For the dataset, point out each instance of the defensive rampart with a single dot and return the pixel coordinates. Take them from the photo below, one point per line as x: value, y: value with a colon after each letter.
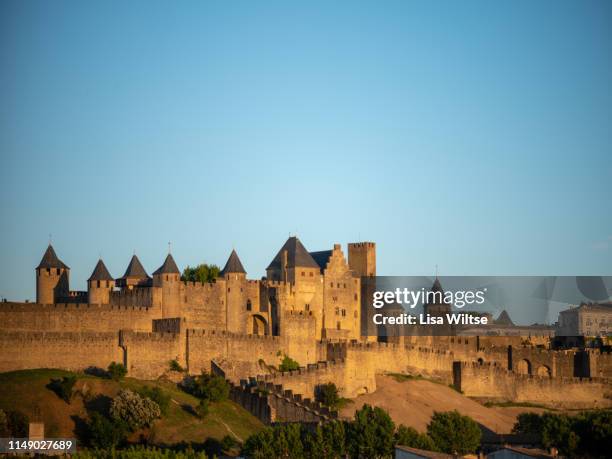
x: 490, y: 381
x: 75, y: 317
x: 70, y: 351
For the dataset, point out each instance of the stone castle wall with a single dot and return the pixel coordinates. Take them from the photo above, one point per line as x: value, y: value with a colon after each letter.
x: 75, y: 317
x: 494, y: 382
x: 66, y: 350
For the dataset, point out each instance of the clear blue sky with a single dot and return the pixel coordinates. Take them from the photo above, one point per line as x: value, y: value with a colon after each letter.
x: 474, y: 135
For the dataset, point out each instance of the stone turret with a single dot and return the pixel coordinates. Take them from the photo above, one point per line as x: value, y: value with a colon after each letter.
x: 235, y: 292
x: 52, y: 278
x: 135, y: 275
x: 100, y: 284
x: 168, y: 278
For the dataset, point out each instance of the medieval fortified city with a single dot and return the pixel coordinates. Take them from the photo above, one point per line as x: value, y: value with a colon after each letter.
x: 390, y: 229
x: 311, y: 308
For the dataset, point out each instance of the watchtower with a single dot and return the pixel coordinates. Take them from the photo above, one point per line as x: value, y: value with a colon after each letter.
x: 52, y: 278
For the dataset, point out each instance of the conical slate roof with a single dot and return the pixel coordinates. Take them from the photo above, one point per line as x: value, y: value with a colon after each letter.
x: 504, y: 319
x: 100, y: 273
x: 437, y: 286
x: 169, y: 266
x: 233, y: 265
x: 135, y: 270
x: 50, y: 260
x: 297, y: 256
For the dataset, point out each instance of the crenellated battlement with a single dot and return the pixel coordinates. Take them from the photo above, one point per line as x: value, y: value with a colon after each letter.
x: 196, y: 332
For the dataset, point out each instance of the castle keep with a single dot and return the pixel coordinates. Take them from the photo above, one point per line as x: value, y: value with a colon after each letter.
x: 310, y: 306
x: 323, y: 285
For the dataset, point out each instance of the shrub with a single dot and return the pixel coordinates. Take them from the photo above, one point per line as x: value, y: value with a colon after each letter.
x: 202, y: 408
x: 4, y: 428
x: 116, y: 371
x: 134, y: 410
x: 327, y: 394
x: 228, y: 442
x: 175, y: 366
x: 63, y: 387
x: 18, y: 423
x: 454, y: 433
x: 158, y: 395
x: 104, y: 433
x: 288, y: 364
x: 210, y: 387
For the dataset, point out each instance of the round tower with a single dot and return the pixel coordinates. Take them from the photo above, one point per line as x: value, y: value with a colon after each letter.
x: 168, y: 278
x: 100, y: 285
x: 51, y: 278
x: 237, y: 306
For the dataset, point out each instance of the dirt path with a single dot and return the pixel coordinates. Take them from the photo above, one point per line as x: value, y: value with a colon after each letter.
x: 412, y: 403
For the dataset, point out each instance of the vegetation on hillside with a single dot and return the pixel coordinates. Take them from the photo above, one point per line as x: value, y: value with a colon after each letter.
x: 174, y: 423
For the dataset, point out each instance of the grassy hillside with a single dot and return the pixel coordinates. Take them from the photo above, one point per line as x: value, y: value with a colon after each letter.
x: 27, y: 392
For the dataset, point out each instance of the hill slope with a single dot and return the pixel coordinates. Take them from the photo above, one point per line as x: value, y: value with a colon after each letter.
x: 26, y: 391
x: 413, y: 401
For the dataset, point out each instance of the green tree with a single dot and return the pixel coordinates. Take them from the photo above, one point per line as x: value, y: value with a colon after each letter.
x: 201, y: 273
x: 594, y: 429
x: 116, y: 371
x: 327, y: 394
x: 407, y: 436
x: 370, y: 435
x: 104, y: 433
x: 260, y: 445
x: 334, y: 437
x: 454, y: 433
x: 210, y: 387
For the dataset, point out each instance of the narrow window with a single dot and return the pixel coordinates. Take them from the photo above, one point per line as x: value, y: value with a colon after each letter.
x: 98, y: 284
x: 311, y: 274
x: 307, y: 307
x: 228, y: 290
x: 57, y: 271
x: 249, y: 306
x: 344, y: 313
x: 338, y: 325
x: 355, y: 297
x: 303, y: 274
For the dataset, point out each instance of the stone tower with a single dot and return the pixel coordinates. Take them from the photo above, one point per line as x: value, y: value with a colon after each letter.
x: 362, y: 258
x: 168, y: 278
x: 234, y: 275
x: 100, y: 285
x: 52, y: 278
